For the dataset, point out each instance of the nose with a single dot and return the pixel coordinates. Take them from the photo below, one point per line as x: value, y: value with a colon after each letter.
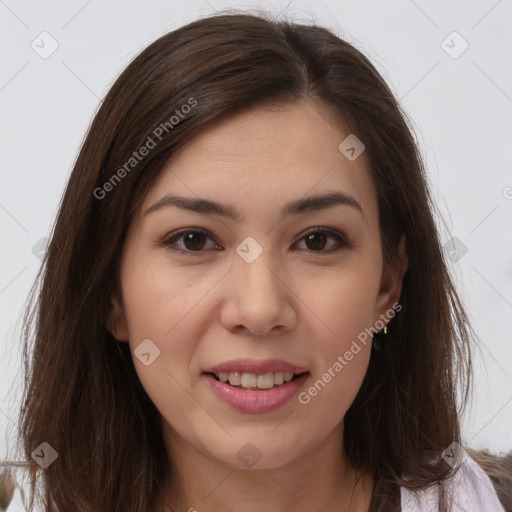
x: 258, y: 299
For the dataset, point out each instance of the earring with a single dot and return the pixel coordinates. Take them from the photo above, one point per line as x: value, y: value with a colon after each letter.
x: 377, y: 343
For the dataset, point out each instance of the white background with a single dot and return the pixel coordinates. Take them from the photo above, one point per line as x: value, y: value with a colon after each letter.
x: 461, y: 108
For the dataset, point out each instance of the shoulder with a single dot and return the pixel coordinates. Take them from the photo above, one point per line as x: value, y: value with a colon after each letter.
x: 468, y: 490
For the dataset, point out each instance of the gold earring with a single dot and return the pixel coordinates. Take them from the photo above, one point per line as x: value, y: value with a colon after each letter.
x: 385, y: 329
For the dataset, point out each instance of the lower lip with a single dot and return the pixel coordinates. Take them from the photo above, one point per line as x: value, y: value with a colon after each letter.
x: 245, y: 400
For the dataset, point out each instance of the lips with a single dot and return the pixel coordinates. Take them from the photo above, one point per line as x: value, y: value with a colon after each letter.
x: 255, y: 366
x: 255, y: 400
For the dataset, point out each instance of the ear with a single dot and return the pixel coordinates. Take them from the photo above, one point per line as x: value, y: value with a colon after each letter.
x: 392, y: 278
x: 117, y: 325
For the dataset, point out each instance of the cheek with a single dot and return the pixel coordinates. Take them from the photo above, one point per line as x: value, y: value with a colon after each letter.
x: 343, y: 307
x: 343, y: 302
x: 162, y: 305
x: 158, y: 298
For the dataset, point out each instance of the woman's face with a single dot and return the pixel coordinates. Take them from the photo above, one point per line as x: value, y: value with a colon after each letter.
x: 249, y: 280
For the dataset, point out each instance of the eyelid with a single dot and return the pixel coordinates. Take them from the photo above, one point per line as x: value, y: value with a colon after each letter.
x: 176, y: 235
x: 335, y: 233
x: 341, y: 238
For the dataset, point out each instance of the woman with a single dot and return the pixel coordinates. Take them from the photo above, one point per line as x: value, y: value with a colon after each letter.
x: 244, y: 303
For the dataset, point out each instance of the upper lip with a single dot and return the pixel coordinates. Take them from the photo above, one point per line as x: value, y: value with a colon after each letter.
x: 257, y: 366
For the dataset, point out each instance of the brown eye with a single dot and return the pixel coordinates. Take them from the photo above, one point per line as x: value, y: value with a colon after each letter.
x: 317, y: 240
x: 189, y: 241
x: 194, y: 241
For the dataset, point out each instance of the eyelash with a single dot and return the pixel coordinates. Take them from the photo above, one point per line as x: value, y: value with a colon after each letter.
x: 170, y: 240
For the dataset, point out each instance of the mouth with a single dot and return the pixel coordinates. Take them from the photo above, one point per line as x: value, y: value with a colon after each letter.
x: 255, y: 382
x: 249, y: 392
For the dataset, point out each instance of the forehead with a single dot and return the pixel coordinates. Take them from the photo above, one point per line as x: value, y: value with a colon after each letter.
x: 264, y: 157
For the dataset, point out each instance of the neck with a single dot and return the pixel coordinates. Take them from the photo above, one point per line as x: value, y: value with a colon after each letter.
x: 320, y: 479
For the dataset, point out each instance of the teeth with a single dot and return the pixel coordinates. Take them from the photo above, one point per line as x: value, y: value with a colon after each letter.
x: 251, y: 380
x: 278, y: 378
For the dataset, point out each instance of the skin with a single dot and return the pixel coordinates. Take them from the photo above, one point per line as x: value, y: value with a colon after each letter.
x: 297, y: 301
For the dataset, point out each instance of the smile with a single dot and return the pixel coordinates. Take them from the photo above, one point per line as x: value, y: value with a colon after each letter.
x: 255, y: 399
x: 253, y: 381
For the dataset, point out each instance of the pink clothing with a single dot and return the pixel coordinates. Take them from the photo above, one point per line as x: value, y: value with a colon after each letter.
x: 469, y: 490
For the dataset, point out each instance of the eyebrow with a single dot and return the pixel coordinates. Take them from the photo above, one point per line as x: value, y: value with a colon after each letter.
x: 304, y: 205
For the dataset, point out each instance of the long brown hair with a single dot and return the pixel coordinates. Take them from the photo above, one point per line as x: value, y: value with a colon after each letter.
x: 82, y: 394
